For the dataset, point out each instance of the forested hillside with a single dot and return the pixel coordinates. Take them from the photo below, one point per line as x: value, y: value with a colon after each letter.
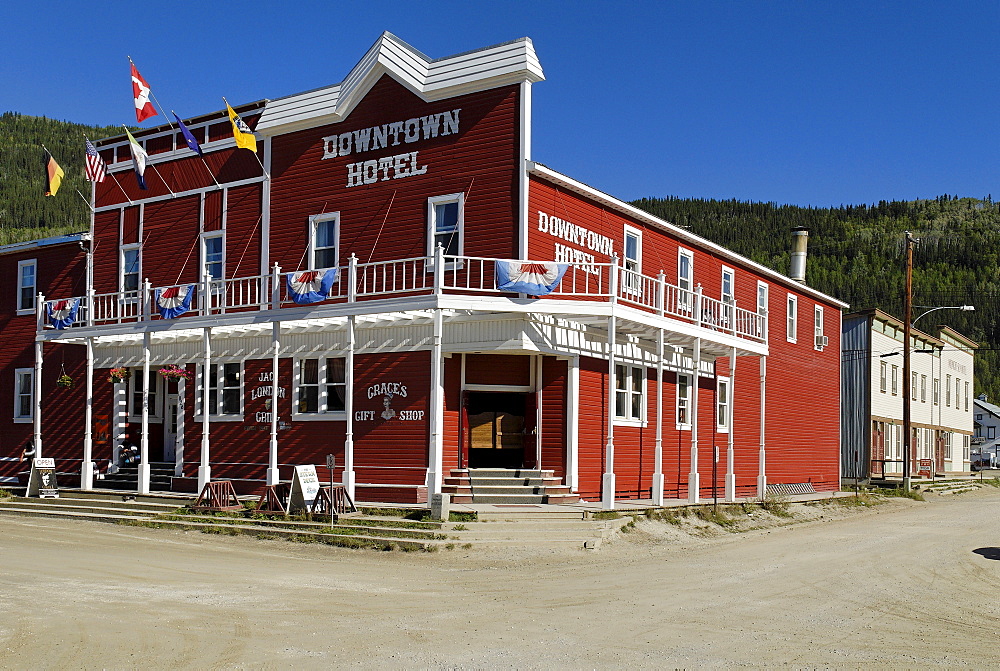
x: 855, y: 252
x: 856, y: 255
x: 24, y: 211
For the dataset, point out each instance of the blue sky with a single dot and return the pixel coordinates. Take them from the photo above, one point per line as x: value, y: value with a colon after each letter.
x: 794, y: 102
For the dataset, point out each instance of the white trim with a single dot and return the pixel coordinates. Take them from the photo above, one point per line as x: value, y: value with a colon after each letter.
x: 550, y: 175
x: 30, y: 373
x: 685, y: 425
x: 30, y: 309
x: 211, y: 235
x: 818, y: 327
x: 725, y: 382
x: 202, y: 391
x: 767, y: 297
x: 524, y: 183
x: 791, y: 317
x: 180, y: 194
x: 432, y: 203
x: 322, y: 399
x: 732, y: 285
x: 689, y: 255
x: 155, y: 415
x: 628, y: 390
x: 513, y: 388
x: 137, y: 248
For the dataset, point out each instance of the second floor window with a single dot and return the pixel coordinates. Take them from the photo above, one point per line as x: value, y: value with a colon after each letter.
x: 211, y: 254
x: 130, y: 267
x: 26, y: 286
x: 445, y: 221
x: 323, y: 230
x: 883, y: 376
x: 792, y: 320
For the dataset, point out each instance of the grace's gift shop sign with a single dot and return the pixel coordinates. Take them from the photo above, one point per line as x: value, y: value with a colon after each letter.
x: 387, y: 393
x: 386, y: 136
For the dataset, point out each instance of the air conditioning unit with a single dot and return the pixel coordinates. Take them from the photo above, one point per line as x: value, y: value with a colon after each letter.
x: 822, y: 341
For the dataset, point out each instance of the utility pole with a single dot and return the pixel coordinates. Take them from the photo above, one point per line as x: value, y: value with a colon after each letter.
x: 907, y: 315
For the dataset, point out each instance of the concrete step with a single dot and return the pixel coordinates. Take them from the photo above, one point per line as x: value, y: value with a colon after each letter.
x: 127, y: 507
x: 509, y: 473
x: 478, y: 491
x: 509, y: 498
x: 491, y: 482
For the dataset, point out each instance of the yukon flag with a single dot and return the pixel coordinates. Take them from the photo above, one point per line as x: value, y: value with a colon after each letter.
x: 140, y: 93
x: 241, y: 131
x: 139, y: 159
x: 54, y: 175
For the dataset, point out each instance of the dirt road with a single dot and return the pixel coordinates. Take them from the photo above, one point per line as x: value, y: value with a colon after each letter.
x: 898, y: 586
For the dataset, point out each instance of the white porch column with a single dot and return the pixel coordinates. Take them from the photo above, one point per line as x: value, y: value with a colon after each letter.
x: 608, y: 481
x: 762, y: 461
x: 349, y: 476
x: 730, y: 447
x: 435, y: 456
x: 573, y: 424
x: 204, y: 470
x: 694, y: 479
x: 658, y: 455
x: 144, y: 469
x: 87, y: 466
x: 179, y: 438
x: 273, y: 476
x: 36, y: 411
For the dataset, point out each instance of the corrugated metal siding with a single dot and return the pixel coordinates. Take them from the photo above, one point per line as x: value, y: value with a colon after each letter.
x: 855, y: 390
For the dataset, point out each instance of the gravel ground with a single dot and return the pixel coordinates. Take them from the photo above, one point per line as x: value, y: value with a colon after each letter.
x: 901, y: 584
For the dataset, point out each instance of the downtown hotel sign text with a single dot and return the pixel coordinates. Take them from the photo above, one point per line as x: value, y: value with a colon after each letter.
x: 385, y: 136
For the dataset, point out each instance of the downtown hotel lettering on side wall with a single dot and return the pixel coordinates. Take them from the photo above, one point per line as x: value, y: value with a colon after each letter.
x: 396, y: 133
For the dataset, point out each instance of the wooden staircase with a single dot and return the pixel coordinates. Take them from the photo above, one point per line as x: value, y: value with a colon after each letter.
x: 506, y: 486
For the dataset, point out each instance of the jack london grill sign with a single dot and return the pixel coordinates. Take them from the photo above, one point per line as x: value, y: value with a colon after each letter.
x: 396, y: 133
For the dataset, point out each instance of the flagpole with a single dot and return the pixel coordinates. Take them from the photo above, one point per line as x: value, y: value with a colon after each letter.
x: 156, y: 100
x: 124, y: 193
x: 262, y: 168
x: 150, y: 163
x: 107, y: 171
x: 85, y: 200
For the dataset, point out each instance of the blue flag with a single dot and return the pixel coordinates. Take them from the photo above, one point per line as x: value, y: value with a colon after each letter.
x: 188, y: 137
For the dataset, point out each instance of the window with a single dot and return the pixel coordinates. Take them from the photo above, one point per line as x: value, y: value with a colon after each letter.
x: 958, y: 394
x: 24, y: 394
x: 135, y: 381
x: 685, y: 279
x: 324, y: 230
x: 947, y: 390
x: 899, y: 441
x: 991, y: 432
x: 967, y: 397
x: 883, y: 376
x: 923, y: 388
x: 792, y: 318
x: 966, y: 447
x: 727, y: 296
x: 211, y: 255
x: 947, y: 445
x: 130, y: 265
x: 895, y: 380
x: 633, y: 259
x: 722, y: 405
x: 819, y: 339
x: 320, y: 386
x: 683, y: 401
x: 761, y: 298
x: 937, y: 391
x: 629, y: 392
x: 445, y: 223
x: 913, y: 386
x: 26, y: 286
x: 225, y: 389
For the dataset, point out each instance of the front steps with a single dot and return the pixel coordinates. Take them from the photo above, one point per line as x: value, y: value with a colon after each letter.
x: 506, y: 486
x: 127, y: 477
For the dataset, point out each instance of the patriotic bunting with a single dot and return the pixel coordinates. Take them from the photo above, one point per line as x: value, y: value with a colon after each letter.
x: 311, y: 286
x: 62, y: 313
x: 172, y: 302
x: 140, y: 93
x: 529, y: 277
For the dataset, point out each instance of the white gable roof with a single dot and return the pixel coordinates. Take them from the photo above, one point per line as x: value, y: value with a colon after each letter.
x: 479, y: 70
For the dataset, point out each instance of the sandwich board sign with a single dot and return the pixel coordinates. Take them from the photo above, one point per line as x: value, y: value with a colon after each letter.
x: 305, y: 487
x: 42, y: 481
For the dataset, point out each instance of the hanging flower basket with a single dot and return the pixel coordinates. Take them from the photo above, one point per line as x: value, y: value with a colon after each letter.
x: 65, y: 381
x: 174, y: 372
x: 116, y: 375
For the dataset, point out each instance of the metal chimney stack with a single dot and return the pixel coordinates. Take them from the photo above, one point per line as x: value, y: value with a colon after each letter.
x: 800, y: 243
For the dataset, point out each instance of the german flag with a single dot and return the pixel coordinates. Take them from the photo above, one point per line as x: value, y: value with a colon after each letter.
x: 54, y: 175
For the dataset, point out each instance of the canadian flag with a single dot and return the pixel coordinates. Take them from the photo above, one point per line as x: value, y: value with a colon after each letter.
x: 140, y: 91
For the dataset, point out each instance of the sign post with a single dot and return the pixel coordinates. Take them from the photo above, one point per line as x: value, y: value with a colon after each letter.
x: 331, y: 462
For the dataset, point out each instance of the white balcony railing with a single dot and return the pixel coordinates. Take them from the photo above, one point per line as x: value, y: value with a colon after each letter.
x: 418, y: 276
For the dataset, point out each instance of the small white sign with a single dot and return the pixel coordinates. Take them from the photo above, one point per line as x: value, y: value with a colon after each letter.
x: 305, y: 487
x: 42, y: 480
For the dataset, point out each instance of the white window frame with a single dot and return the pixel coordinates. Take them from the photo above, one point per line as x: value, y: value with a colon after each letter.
x: 729, y: 296
x: 211, y: 235
x: 432, y: 204
x: 884, y: 377
x: 947, y: 391
x: 792, y: 318
x: 28, y: 309
x: 966, y: 396
x: 322, y: 412
x: 314, y: 222
x: 685, y: 281
x: 683, y: 402
x: 913, y: 385
x: 895, y: 380
x: 762, y: 295
x: 723, y: 403
x: 923, y: 388
x: 625, y: 388
x: 937, y: 391
x: 130, y: 294
x: 633, y: 281
x: 817, y: 327
x: 135, y: 389
x: 29, y: 374
x: 200, y: 380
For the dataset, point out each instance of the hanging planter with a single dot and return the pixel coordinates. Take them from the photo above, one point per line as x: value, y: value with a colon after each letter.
x: 116, y: 375
x: 65, y: 381
x: 174, y: 372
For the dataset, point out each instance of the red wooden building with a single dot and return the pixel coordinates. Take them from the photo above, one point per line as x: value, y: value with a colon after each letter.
x: 412, y: 178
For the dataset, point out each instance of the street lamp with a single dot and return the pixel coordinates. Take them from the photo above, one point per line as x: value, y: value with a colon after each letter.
x: 963, y: 308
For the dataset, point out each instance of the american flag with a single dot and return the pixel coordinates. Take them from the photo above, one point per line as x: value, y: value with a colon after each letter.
x: 96, y: 168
